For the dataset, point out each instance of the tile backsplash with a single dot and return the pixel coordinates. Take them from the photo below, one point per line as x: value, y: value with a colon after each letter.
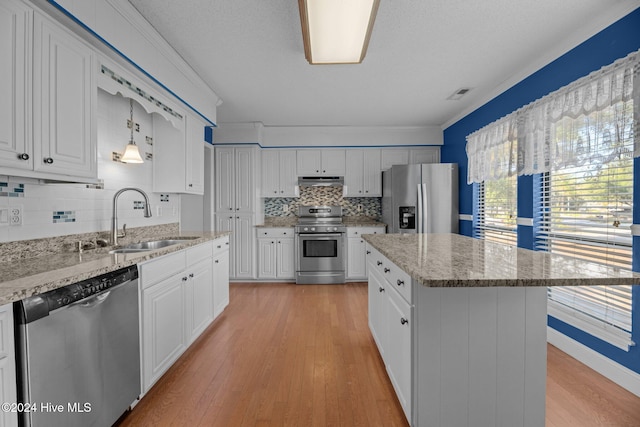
x: 370, y: 206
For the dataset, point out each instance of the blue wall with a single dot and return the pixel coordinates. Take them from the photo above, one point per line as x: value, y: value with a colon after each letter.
x: 615, y: 41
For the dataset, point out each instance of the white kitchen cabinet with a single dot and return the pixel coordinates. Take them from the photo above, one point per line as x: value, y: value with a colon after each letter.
x: 325, y: 162
x: 178, y: 303
x: 363, y: 177
x: 424, y: 155
x: 279, y: 175
x: 393, y: 156
x: 220, y: 275
x: 241, y: 243
x: 178, y: 155
x: 65, y: 102
x: 276, y: 258
x: 8, y: 390
x: 235, y: 179
x: 16, y: 21
x: 391, y: 323
x: 357, y: 251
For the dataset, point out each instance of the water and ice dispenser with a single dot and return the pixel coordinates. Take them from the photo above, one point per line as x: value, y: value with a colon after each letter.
x: 407, y: 217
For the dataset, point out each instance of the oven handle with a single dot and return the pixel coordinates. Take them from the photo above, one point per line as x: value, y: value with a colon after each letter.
x: 320, y: 234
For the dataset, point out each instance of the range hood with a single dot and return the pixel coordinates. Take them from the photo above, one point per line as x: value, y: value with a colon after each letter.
x: 321, y: 181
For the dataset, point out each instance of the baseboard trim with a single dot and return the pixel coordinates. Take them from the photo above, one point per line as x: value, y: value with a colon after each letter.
x: 617, y: 373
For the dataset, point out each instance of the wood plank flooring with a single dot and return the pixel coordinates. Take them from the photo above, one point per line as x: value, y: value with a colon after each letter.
x: 288, y: 355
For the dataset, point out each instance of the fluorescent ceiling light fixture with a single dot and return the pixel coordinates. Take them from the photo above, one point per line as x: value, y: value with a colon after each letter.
x: 336, y: 31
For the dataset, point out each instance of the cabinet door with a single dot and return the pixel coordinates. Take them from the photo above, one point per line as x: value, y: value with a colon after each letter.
x: 227, y: 222
x: 377, y: 311
x: 425, y: 155
x: 309, y: 162
x: 65, y: 101
x: 372, y: 174
x: 244, y: 174
x: 270, y: 173
x: 194, y: 167
x: 15, y: 76
x: 220, y: 282
x: 393, y: 157
x: 244, y: 237
x: 354, y: 174
x: 288, y: 173
x: 356, y: 258
x: 399, y: 339
x: 225, y: 179
x: 285, y: 267
x: 199, y: 295
x: 266, y: 258
x: 333, y: 162
x: 163, y: 327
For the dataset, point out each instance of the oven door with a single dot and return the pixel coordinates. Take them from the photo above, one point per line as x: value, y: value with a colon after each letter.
x: 320, y: 258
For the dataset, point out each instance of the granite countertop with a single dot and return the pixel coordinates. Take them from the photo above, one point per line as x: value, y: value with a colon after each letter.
x: 453, y: 260
x: 24, y: 277
x: 291, y: 221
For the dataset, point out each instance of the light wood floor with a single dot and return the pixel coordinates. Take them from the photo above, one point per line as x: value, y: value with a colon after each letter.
x: 288, y: 355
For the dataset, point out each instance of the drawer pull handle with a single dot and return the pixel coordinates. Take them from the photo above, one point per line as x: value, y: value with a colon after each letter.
x: 379, y: 262
x: 400, y: 282
x: 403, y: 321
x: 191, y: 275
x: 184, y: 279
x: 216, y: 261
x: 380, y: 289
x: 386, y: 270
x: 368, y: 252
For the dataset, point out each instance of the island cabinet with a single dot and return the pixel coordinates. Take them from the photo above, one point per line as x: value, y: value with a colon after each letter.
x: 178, y: 298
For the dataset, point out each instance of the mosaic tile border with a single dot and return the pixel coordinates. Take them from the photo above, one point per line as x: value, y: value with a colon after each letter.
x: 9, y: 189
x: 64, y: 216
x: 351, y: 206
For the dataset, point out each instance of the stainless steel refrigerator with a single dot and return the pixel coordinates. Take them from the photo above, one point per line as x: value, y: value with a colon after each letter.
x: 420, y: 198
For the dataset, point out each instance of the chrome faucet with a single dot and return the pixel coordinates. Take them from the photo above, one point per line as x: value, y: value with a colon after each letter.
x: 114, y: 217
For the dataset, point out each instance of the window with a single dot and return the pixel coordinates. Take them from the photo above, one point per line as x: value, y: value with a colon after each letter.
x: 497, y: 210
x: 585, y: 211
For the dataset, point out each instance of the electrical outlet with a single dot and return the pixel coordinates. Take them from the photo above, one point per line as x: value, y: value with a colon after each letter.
x: 158, y: 211
x: 285, y: 208
x: 15, y: 215
x: 359, y: 208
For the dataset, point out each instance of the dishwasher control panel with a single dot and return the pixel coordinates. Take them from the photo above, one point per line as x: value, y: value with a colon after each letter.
x: 39, y: 306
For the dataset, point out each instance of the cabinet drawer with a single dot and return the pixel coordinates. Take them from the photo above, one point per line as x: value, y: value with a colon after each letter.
x: 162, y: 267
x: 220, y: 245
x: 359, y: 231
x: 397, y: 278
x: 274, y: 232
x: 199, y: 252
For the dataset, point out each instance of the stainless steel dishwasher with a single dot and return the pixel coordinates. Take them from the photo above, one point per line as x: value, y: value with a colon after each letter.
x: 78, y: 352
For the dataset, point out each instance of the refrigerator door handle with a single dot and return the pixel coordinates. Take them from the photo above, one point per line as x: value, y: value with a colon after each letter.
x: 425, y: 209
x: 420, y: 213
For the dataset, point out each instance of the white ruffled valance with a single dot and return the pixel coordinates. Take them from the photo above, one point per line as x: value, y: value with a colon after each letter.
x: 544, y: 133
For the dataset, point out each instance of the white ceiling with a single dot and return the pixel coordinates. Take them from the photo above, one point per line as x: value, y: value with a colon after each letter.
x: 250, y: 52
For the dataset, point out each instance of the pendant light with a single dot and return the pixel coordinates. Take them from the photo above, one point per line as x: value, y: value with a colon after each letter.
x: 336, y: 31
x: 131, y: 152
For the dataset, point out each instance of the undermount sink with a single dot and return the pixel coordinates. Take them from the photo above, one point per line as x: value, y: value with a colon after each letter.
x: 147, y: 246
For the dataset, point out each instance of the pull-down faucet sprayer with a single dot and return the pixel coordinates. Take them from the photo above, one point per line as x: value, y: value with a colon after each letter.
x: 114, y: 217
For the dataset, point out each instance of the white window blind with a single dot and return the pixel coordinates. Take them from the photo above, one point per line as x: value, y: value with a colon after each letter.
x: 497, y: 210
x: 585, y: 211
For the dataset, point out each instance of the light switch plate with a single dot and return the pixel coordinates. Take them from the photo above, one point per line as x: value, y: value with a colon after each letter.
x: 4, y: 216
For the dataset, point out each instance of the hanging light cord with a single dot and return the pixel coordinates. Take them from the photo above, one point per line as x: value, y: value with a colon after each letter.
x: 131, y: 116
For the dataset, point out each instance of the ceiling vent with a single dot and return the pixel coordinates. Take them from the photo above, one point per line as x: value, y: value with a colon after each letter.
x: 455, y: 96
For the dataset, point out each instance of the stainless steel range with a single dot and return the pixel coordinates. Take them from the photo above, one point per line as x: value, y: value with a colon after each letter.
x: 320, y: 245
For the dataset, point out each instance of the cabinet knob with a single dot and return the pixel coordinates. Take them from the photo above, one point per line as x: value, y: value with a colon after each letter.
x: 359, y: 191
x: 272, y: 243
x: 368, y: 252
x: 366, y: 191
x: 275, y: 191
x: 386, y: 270
x: 230, y: 217
x: 324, y: 171
x: 216, y: 261
x: 191, y: 275
x: 282, y: 191
x: 230, y: 209
x: 184, y: 279
x: 218, y: 246
x: 379, y: 262
x: 23, y: 156
x: 403, y: 321
x: 380, y: 289
x: 400, y: 282
x: 48, y: 160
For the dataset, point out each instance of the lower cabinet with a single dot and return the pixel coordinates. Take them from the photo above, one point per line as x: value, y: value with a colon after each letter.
x: 356, y: 251
x: 8, y: 391
x: 391, y: 323
x: 178, y: 297
x: 276, y: 258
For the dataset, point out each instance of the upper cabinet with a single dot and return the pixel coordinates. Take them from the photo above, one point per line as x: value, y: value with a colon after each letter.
x: 362, y: 178
x: 279, y: 175
x: 325, y: 162
x: 393, y: 156
x: 404, y: 156
x: 235, y: 188
x: 178, y: 159
x: 47, y: 118
x: 424, y: 155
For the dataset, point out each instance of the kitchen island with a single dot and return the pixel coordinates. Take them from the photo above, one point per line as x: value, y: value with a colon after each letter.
x: 461, y: 324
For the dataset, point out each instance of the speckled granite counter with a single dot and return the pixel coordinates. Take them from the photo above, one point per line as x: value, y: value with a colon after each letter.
x: 26, y: 276
x: 452, y: 260
x: 362, y: 221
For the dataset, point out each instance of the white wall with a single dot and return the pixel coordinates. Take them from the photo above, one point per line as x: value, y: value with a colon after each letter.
x: 91, y: 207
x: 330, y: 136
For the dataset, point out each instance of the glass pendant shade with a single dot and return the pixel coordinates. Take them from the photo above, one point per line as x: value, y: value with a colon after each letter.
x: 131, y: 154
